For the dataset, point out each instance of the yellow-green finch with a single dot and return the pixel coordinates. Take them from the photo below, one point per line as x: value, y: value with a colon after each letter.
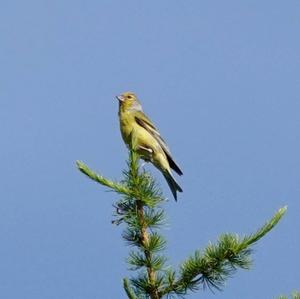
x: 151, y: 147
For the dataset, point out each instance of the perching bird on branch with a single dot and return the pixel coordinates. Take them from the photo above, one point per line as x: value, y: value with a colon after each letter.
x: 135, y: 125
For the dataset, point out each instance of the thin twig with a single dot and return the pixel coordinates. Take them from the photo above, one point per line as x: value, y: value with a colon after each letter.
x: 144, y: 241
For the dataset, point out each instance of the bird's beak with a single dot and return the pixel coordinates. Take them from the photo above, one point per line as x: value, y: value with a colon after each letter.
x: 120, y: 98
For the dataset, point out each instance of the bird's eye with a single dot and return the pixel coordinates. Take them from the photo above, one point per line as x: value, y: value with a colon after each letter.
x: 129, y: 97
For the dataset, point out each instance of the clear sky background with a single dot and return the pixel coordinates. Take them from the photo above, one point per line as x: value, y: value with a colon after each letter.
x: 221, y: 80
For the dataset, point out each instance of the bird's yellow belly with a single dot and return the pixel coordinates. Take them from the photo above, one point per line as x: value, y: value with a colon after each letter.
x: 126, y: 127
x: 147, y: 146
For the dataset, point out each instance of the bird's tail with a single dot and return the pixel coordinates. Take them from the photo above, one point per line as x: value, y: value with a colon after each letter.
x: 172, y: 184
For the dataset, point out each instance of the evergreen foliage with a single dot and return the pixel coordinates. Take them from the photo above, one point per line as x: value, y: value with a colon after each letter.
x: 295, y: 295
x: 140, y: 210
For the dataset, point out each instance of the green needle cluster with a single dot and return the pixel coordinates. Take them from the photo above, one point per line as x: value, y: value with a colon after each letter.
x: 140, y: 210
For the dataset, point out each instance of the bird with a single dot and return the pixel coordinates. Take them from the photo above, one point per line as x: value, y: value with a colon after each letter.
x: 151, y: 147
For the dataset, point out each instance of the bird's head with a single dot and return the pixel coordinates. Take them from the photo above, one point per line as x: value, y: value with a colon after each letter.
x: 128, y: 101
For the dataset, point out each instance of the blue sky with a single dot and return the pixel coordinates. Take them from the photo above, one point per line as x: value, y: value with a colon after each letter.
x: 221, y: 80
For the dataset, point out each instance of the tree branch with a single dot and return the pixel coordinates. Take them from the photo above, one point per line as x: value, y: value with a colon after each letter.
x: 144, y: 244
x: 117, y: 187
x: 139, y: 209
x: 128, y: 289
x: 219, y: 261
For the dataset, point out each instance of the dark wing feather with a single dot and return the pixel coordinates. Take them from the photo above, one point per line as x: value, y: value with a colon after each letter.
x: 145, y: 122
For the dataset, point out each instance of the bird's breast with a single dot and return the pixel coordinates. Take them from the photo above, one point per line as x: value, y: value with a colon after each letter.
x: 126, y: 126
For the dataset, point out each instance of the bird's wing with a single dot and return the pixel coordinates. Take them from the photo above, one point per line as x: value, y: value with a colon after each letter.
x: 146, y: 123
